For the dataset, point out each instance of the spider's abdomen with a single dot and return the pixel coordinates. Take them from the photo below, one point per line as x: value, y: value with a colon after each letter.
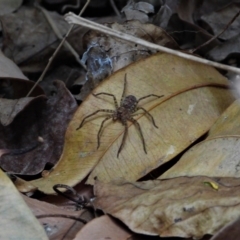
x: 129, y: 103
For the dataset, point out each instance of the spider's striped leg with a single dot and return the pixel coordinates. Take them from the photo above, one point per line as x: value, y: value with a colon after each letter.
x: 140, y: 130
x: 150, y: 95
x: 149, y: 114
x: 124, y: 89
x: 100, y: 129
x: 108, y: 94
x: 124, y: 137
x: 100, y: 110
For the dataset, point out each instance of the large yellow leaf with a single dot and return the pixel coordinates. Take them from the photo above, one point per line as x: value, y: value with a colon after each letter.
x: 218, y: 155
x: 194, y: 97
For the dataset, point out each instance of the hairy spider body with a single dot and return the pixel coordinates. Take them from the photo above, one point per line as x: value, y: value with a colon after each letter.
x: 127, y: 108
x: 123, y: 113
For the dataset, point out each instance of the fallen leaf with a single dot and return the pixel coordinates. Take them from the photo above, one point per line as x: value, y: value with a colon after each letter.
x: 144, y: 7
x: 218, y: 21
x: 103, y: 228
x: 15, y: 88
x: 230, y: 231
x: 64, y: 73
x: 194, y: 97
x: 165, y: 12
x: 218, y: 154
x: 180, y: 207
x: 30, y: 22
x: 47, y: 119
x: 11, y: 108
x: 13, y: 82
x: 223, y: 50
x: 9, y: 69
x: 190, y: 36
x: 16, y: 217
x: 138, y: 11
x: 186, y: 9
x: 57, y: 227
x: 7, y: 6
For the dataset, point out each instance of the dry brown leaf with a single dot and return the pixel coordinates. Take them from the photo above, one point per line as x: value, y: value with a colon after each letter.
x: 47, y: 119
x: 218, y: 155
x: 9, y: 69
x: 230, y: 231
x: 57, y: 227
x: 223, y: 50
x: 165, y: 12
x: 181, y: 207
x: 102, y: 228
x: 7, y: 6
x: 17, y: 221
x: 194, y: 97
x: 15, y: 88
x: 9, y: 109
x: 30, y: 22
x: 190, y: 36
x: 138, y: 11
x: 218, y: 21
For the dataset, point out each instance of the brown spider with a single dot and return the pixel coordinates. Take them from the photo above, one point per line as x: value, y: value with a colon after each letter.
x: 128, y: 106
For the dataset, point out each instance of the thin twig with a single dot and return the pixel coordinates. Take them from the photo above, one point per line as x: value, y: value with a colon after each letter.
x: 216, y: 36
x: 71, y: 6
x: 60, y: 37
x: 62, y: 216
x: 72, y: 18
x: 56, y: 51
x: 115, y: 9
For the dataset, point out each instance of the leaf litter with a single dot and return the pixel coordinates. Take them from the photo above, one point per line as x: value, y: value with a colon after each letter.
x: 45, y: 118
x: 194, y: 98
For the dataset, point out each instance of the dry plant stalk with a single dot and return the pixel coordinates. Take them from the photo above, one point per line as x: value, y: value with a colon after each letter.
x: 71, y: 18
x: 216, y: 36
x: 56, y: 51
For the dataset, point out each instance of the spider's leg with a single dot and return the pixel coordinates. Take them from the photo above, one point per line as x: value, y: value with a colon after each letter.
x: 140, y: 130
x: 100, y: 110
x: 100, y: 129
x: 108, y: 94
x: 150, y: 95
x: 149, y: 114
x: 124, y: 89
x: 124, y: 137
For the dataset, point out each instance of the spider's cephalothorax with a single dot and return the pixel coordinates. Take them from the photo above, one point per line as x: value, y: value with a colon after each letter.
x: 126, y: 109
x: 123, y: 113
